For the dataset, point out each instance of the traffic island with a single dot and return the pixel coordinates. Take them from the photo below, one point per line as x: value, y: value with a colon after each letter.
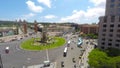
x: 31, y: 44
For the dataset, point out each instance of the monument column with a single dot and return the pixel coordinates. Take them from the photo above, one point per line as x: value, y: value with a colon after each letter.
x: 24, y: 27
x: 35, y: 26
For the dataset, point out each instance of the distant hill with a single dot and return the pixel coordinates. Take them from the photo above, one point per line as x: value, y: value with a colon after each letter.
x: 3, y: 22
x: 7, y: 23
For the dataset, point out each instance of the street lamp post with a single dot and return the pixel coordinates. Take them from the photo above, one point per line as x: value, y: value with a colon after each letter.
x: 47, y: 55
x: 47, y: 62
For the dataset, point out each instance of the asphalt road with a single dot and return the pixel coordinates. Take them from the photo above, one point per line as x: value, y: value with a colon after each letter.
x: 71, y: 53
x: 18, y: 58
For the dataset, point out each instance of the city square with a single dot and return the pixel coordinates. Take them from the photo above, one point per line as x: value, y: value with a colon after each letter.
x: 60, y: 34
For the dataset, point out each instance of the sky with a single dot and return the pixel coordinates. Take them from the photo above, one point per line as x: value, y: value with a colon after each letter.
x: 78, y: 11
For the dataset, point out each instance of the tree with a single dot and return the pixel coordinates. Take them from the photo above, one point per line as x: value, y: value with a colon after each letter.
x: 112, y: 52
x: 97, y: 58
x: 118, y: 65
x: 102, y: 59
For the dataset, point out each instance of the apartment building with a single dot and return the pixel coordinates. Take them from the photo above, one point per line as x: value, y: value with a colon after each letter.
x: 109, y: 26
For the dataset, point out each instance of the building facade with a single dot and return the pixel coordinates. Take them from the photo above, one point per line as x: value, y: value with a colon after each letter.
x: 7, y: 31
x: 59, y: 29
x: 109, y: 26
x: 89, y: 29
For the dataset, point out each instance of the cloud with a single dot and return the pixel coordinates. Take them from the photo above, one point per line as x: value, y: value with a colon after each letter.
x: 100, y: 3
x: 29, y: 15
x: 74, y: 11
x: 50, y: 16
x: 26, y: 16
x: 31, y: 5
x: 45, y: 2
x: 74, y: 17
x: 91, y: 13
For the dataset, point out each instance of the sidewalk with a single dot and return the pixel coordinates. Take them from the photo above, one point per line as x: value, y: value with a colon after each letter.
x: 83, y: 62
x: 12, y: 37
x: 52, y: 65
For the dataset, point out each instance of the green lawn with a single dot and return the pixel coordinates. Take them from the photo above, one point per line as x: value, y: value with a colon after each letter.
x: 29, y: 44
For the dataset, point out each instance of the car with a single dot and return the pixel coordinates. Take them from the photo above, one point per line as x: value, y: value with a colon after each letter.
x: 46, y: 63
x: 80, y: 57
x: 73, y: 59
x: 7, y: 49
x: 68, y: 45
x: 62, y: 63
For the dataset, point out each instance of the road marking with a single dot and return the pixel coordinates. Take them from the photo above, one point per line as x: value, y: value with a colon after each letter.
x: 55, y: 66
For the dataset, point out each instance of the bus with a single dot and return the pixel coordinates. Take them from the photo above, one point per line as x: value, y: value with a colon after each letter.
x: 80, y: 42
x: 65, y: 52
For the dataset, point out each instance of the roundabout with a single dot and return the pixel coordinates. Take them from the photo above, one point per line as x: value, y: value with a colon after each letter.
x: 34, y: 44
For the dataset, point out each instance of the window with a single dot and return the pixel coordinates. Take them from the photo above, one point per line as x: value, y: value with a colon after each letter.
x: 103, y: 43
x: 118, y: 35
x: 103, y: 39
x: 118, y: 40
x: 103, y: 34
x: 104, y: 25
x: 118, y: 30
x: 119, y: 18
x: 118, y: 25
x: 110, y: 40
x: 111, y: 30
x: 109, y: 44
x: 117, y: 45
x: 102, y: 47
x: 112, y: 25
x: 112, y: 18
x: 110, y: 35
